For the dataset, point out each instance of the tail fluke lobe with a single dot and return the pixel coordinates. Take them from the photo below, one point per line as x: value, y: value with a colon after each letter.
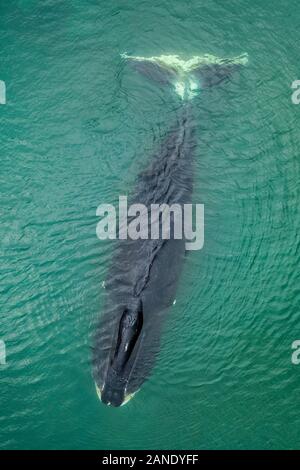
x: 212, y: 75
x: 187, y: 76
x: 154, y: 71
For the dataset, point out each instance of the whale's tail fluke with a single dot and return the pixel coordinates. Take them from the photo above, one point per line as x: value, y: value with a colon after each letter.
x: 187, y: 76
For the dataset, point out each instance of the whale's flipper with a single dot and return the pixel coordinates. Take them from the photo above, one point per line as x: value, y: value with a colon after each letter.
x: 187, y: 76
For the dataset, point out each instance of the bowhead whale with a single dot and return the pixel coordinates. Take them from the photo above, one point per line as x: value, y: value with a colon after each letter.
x: 142, y: 280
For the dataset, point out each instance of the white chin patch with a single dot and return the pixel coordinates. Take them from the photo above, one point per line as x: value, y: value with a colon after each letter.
x: 126, y: 399
x: 98, y: 391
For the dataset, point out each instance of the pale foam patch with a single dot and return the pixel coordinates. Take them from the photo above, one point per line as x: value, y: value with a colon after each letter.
x: 180, y: 88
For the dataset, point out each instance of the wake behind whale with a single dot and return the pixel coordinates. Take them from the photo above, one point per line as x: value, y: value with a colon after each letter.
x: 141, y: 283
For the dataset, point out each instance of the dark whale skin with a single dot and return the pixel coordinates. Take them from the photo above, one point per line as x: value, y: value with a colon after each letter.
x: 143, y: 276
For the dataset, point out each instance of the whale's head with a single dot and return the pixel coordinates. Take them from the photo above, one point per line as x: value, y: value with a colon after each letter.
x: 113, y: 389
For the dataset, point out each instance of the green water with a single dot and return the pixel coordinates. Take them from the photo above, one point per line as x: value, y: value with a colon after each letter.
x: 76, y: 129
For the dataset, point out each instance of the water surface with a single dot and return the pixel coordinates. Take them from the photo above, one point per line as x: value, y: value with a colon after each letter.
x: 77, y: 128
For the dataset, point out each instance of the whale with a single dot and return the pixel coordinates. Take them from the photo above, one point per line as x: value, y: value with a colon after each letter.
x: 143, y: 276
